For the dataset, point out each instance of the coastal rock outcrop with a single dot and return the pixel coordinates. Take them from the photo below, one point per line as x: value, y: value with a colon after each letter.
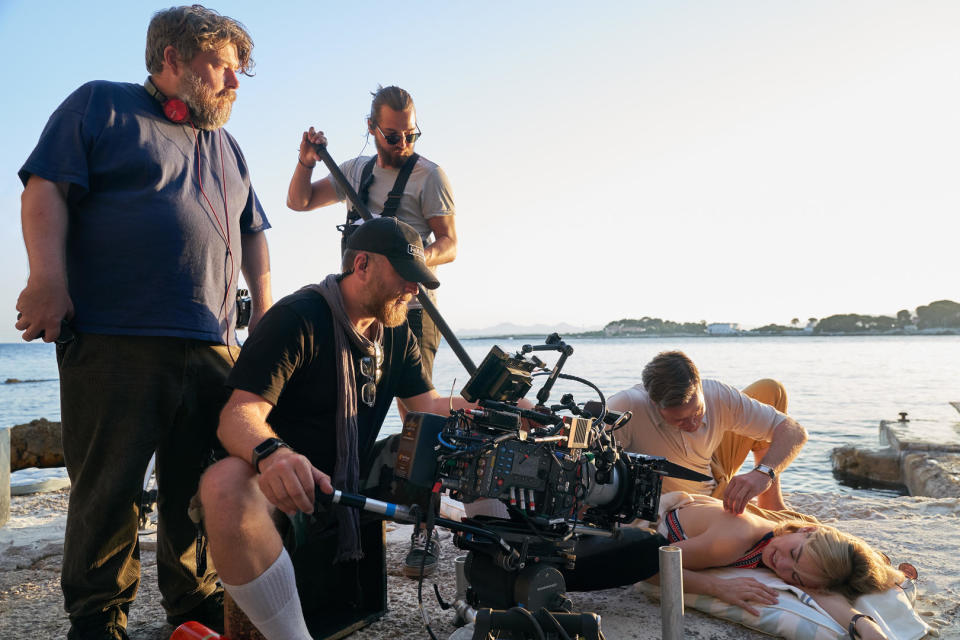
x: 37, y: 443
x: 935, y: 475
x: 921, y: 458
x: 878, y: 468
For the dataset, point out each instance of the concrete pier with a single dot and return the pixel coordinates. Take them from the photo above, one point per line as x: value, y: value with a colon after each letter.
x: 918, y: 457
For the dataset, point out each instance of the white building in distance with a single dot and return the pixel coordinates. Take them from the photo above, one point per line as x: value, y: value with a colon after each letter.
x: 723, y: 328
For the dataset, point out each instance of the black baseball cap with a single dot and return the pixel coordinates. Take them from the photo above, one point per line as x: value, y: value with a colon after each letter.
x: 399, y: 243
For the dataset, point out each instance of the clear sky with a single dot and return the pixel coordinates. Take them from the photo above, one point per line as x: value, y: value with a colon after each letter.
x: 745, y: 162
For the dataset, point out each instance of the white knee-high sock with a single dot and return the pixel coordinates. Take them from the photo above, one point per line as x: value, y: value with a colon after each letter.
x: 271, y: 602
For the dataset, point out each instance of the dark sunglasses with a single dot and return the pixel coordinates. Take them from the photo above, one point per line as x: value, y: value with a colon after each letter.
x: 394, y: 138
x: 370, y: 369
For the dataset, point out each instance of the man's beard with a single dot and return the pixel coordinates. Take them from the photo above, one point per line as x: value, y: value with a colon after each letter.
x: 210, y: 111
x: 392, y: 156
x: 383, y: 305
x: 391, y: 314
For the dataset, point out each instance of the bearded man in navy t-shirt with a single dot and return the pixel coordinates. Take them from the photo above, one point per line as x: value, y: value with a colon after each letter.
x: 138, y: 217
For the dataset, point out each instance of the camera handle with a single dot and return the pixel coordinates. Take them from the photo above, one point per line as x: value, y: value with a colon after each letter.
x: 422, y: 297
x: 401, y: 513
x: 554, y: 343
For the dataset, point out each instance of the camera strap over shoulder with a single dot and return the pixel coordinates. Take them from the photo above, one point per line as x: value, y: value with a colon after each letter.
x: 392, y: 202
x: 390, y: 205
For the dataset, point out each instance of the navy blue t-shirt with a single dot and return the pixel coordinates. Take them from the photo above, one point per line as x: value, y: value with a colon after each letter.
x: 152, y: 206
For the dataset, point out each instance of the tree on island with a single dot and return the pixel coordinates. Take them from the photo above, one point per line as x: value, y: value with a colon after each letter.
x: 769, y: 329
x: 855, y: 323
x: 942, y: 314
x: 654, y: 326
x: 904, y: 319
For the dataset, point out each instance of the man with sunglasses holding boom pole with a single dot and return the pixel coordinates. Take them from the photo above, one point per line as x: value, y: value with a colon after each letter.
x: 311, y: 388
x: 396, y: 182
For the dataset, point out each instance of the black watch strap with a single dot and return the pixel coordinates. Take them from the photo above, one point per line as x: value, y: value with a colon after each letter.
x: 852, y: 629
x: 264, y: 449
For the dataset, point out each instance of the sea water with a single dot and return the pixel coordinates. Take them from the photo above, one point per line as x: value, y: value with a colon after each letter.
x: 839, y: 388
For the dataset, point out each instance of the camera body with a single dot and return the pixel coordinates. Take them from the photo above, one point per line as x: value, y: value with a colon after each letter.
x: 549, y: 481
x: 548, y: 469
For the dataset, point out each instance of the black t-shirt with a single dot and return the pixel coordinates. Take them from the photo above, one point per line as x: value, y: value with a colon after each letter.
x: 289, y: 361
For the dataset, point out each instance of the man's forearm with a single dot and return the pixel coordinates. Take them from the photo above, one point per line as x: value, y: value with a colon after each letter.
x: 45, y: 302
x: 300, y: 189
x: 45, y: 218
x: 788, y: 439
x: 440, y: 251
x: 243, y: 424
x: 255, y: 266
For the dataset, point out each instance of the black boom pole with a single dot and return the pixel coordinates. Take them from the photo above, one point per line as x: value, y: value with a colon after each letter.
x: 425, y: 301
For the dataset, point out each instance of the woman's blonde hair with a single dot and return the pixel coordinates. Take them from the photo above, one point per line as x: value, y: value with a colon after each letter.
x: 848, y: 564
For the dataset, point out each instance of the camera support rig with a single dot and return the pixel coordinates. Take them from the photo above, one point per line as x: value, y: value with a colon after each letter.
x: 562, y: 478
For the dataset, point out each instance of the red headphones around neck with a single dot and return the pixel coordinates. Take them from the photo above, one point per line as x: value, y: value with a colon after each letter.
x: 174, y: 109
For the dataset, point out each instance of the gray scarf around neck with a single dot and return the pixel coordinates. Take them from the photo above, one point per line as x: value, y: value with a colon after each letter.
x: 346, y: 474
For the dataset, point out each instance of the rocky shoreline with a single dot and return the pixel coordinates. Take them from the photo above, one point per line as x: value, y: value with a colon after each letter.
x: 916, y: 457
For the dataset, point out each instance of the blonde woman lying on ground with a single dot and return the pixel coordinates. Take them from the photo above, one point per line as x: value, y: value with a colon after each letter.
x: 833, y: 567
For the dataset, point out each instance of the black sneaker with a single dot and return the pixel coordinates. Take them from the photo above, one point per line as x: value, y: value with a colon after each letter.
x: 421, y: 560
x: 208, y: 613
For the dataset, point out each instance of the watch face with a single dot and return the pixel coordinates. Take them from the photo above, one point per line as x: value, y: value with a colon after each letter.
x: 762, y: 468
x: 266, y: 446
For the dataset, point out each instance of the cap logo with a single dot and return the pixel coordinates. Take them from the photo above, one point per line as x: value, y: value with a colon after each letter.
x: 416, y: 251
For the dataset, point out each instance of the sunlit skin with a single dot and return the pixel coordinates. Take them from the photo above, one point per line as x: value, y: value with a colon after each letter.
x: 390, y: 121
x: 687, y: 416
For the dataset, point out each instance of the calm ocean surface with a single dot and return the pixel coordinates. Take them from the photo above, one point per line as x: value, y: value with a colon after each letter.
x: 839, y: 387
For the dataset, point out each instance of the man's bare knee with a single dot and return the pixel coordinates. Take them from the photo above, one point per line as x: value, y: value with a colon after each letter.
x: 229, y: 487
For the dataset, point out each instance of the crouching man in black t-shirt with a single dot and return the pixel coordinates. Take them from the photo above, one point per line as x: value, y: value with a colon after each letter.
x: 311, y: 388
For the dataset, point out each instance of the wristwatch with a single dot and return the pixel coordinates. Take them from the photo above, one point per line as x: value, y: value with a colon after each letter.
x: 762, y: 468
x: 264, y: 449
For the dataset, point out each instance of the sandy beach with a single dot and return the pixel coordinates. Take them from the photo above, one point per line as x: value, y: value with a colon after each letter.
x: 923, y: 531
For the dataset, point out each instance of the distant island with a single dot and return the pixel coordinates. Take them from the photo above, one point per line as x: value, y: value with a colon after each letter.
x: 937, y: 318
x: 940, y: 317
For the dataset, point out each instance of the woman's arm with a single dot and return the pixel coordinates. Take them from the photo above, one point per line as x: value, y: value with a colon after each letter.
x: 709, y: 550
x: 842, y: 611
x: 740, y: 592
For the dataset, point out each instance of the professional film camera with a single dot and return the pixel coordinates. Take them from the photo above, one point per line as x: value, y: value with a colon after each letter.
x: 554, y: 473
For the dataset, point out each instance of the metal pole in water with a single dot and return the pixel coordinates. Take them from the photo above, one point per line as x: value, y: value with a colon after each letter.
x: 671, y: 593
